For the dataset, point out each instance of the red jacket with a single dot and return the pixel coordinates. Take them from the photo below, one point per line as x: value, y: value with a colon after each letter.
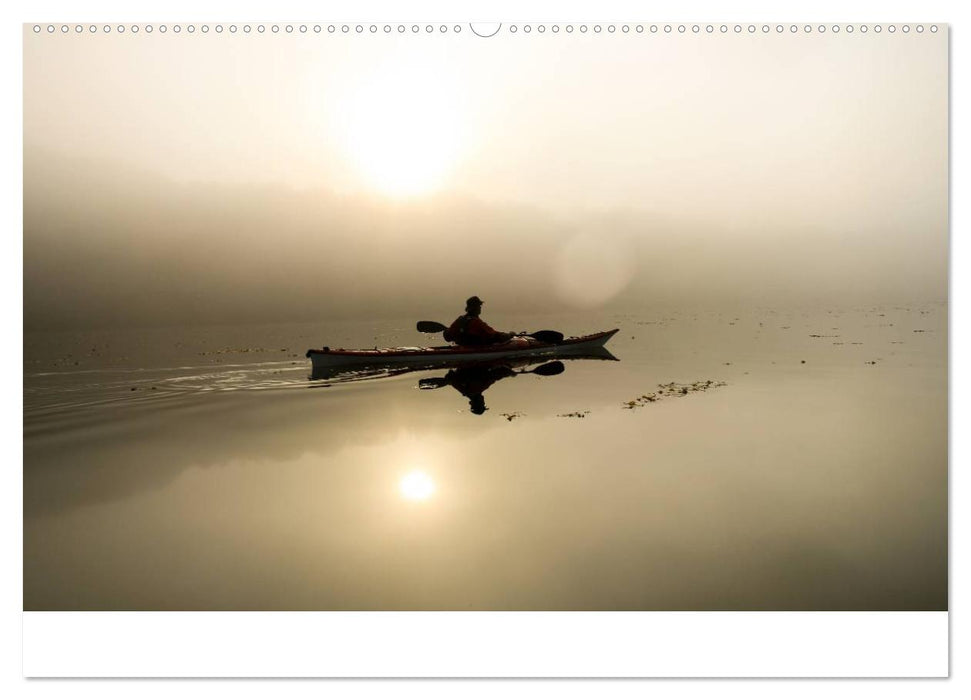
x: 472, y: 330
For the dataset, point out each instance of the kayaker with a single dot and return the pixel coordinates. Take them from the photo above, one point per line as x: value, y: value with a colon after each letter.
x: 469, y: 329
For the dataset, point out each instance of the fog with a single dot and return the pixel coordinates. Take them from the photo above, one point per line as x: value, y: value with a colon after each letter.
x: 171, y: 181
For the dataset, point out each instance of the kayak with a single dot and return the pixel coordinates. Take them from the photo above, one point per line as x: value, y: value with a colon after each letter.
x: 520, y: 346
x: 378, y: 369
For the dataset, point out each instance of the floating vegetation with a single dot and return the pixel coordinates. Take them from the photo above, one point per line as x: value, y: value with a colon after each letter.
x: 671, y: 389
x: 641, y: 401
x: 233, y: 351
x: 675, y: 389
x: 574, y: 414
x: 511, y: 416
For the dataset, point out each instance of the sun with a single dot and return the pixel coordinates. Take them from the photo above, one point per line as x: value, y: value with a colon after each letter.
x: 416, y: 486
x: 399, y: 127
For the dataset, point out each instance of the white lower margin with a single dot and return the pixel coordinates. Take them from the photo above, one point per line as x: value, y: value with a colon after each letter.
x: 484, y: 644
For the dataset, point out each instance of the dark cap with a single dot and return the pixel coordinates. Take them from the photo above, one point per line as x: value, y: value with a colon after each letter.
x: 473, y: 301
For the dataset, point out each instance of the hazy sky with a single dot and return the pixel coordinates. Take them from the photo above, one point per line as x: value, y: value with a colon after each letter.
x: 580, y: 170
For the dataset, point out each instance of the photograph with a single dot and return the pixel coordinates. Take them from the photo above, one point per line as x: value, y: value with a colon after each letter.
x: 485, y: 317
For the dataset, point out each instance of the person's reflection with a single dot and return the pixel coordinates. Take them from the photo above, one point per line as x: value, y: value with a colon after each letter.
x: 472, y: 382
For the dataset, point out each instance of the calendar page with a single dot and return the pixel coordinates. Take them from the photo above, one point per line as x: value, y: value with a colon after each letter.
x: 541, y: 337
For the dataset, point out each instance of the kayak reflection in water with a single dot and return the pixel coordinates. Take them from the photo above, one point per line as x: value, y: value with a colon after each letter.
x: 469, y: 329
x: 472, y: 382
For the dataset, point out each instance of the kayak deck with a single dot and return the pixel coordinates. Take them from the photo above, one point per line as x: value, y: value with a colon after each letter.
x: 520, y: 346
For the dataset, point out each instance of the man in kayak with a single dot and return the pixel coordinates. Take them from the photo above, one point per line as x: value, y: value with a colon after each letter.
x: 469, y: 329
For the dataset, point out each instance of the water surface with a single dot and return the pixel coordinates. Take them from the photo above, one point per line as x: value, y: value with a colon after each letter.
x: 202, y: 468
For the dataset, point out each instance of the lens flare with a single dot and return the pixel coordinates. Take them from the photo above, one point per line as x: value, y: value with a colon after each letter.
x: 592, y: 270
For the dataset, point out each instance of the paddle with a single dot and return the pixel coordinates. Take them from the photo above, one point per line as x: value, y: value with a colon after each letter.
x: 542, y: 336
x: 432, y: 383
x: 547, y: 370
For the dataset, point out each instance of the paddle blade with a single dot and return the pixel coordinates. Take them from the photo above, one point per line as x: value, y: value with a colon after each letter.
x: 431, y: 327
x: 547, y: 336
x: 432, y: 383
x: 549, y: 369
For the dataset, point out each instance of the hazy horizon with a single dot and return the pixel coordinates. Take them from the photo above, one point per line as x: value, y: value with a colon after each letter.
x: 261, y: 179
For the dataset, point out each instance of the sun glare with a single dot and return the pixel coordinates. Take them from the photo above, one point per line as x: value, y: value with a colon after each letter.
x: 417, y: 486
x: 399, y: 128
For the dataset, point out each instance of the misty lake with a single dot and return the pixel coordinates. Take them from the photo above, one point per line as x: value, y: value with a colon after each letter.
x: 758, y: 459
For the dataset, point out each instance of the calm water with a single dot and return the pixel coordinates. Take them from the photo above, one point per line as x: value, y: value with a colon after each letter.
x: 202, y: 469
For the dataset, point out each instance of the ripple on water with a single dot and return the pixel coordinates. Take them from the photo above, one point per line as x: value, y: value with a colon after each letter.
x: 48, y: 393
